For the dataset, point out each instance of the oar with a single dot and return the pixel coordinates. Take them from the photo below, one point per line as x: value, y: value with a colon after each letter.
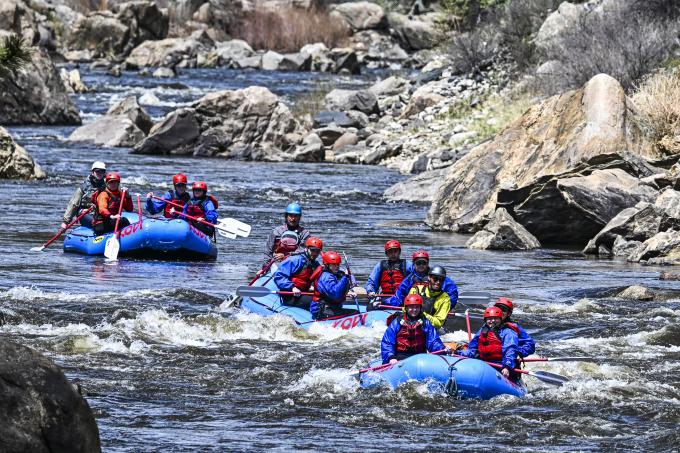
x: 54, y: 238
x: 470, y: 297
x: 229, y: 228
x: 112, y: 246
x: 139, y: 209
x: 450, y: 314
x: 563, y: 359
x: 467, y: 321
x: 386, y: 365
x: 545, y: 376
x: 264, y: 271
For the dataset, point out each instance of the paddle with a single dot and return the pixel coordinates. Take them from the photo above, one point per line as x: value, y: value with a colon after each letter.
x: 386, y: 365
x: 353, y: 283
x: 545, y: 376
x: 563, y: 359
x: 61, y: 231
x: 112, y: 246
x: 229, y: 228
x: 470, y: 297
x: 139, y: 209
x: 467, y: 321
x: 264, y: 271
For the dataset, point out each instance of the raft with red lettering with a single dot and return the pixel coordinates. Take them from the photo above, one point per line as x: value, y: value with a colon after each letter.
x: 272, y: 304
x: 151, y: 239
x: 458, y: 377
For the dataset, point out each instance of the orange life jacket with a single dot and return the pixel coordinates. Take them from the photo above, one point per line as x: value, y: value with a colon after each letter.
x: 308, y: 274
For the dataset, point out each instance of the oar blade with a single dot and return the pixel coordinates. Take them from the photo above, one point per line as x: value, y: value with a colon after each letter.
x: 38, y: 249
x: 549, y: 378
x: 479, y: 299
x: 112, y: 248
x: 253, y: 291
x: 225, y: 233
x: 234, y: 226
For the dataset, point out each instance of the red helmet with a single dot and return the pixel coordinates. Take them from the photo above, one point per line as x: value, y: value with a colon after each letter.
x: 413, y: 299
x: 421, y: 254
x: 392, y: 244
x: 112, y: 176
x: 331, y: 257
x: 314, y: 242
x: 199, y: 185
x: 179, y: 178
x: 493, y: 312
x: 504, y: 302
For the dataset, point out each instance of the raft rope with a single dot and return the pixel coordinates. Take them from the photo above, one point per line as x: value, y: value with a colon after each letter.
x: 451, y: 385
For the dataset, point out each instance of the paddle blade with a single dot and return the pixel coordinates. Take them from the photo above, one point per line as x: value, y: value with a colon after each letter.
x: 253, y: 291
x: 564, y: 359
x: 224, y: 233
x: 480, y: 299
x: 38, y: 249
x: 549, y: 378
x: 234, y: 226
x: 112, y: 248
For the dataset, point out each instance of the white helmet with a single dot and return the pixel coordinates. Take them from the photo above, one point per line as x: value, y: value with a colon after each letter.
x: 98, y: 166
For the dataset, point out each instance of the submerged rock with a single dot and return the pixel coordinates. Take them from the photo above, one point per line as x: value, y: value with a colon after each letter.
x: 637, y: 292
x: 40, y: 410
x: 503, y: 233
x: 15, y: 162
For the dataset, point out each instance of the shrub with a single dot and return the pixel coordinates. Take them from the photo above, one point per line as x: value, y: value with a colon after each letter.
x: 621, y: 42
x: 472, y: 51
x: 288, y: 29
x: 658, y: 102
x: 14, y: 54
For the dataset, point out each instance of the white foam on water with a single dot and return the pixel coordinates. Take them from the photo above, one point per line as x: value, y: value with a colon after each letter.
x: 328, y: 383
x: 135, y: 181
x: 149, y: 98
x: 581, y: 306
x: 31, y: 293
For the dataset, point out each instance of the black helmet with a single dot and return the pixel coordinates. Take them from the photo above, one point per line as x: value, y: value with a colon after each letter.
x: 438, y: 271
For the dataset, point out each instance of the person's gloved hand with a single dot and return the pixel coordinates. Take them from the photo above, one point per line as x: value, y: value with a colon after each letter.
x: 296, y: 292
x: 505, y: 372
x: 376, y: 304
x: 393, y: 361
x: 149, y: 195
x: 372, y: 294
x: 63, y: 225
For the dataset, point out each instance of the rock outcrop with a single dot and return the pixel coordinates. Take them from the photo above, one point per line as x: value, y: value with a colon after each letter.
x: 359, y: 15
x: 171, y: 52
x: 15, y: 162
x: 250, y: 124
x: 124, y: 125
x: 563, y: 135
x: 503, y: 233
x: 40, y: 410
x: 37, y: 95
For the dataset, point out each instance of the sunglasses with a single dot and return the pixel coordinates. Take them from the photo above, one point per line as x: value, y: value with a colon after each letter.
x: 181, y: 184
x: 100, y: 172
x: 420, y: 262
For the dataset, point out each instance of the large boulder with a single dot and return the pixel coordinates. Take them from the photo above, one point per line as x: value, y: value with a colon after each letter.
x: 345, y: 100
x: 112, y: 131
x: 558, y: 22
x: 130, y: 108
x: 414, y: 34
x: 503, y: 233
x: 557, y: 136
x: 36, y: 95
x: 419, y: 188
x: 251, y: 123
x: 360, y: 15
x: 662, y: 248
x: 171, y: 52
x: 15, y: 162
x: 227, y: 53
x: 40, y: 410
x: 35, y: 21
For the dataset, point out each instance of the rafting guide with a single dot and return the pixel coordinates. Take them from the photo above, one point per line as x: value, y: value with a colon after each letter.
x: 292, y: 216
x: 82, y: 197
x: 388, y: 274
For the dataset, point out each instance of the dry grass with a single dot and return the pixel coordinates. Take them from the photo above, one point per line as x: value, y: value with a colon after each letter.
x: 289, y: 29
x: 658, y: 101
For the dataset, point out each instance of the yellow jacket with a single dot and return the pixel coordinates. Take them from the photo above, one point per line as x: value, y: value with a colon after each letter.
x: 436, y: 305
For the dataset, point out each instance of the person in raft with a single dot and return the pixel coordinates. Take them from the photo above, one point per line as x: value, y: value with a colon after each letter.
x: 203, y: 207
x: 409, y: 333
x: 83, y: 196
x: 297, y: 272
x: 331, y: 289
x: 388, y: 274
x: 292, y: 216
x: 495, y: 342
x: 420, y: 276
x: 108, y: 204
x: 525, y: 344
x: 436, y: 302
x: 178, y: 195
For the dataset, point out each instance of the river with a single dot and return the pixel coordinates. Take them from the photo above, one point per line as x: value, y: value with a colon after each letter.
x: 168, y: 367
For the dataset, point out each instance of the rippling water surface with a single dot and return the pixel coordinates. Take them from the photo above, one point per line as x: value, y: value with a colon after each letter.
x: 168, y: 367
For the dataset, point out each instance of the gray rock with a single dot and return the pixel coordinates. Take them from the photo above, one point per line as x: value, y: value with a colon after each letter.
x: 164, y: 73
x: 72, y: 81
x: 637, y: 292
x: 177, y: 130
x: 15, y: 162
x: 185, y: 9
x: 345, y: 100
x: 40, y: 410
x: 390, y: 86
x: 346, y: 139
x: 254, y: 62
x: 311, y: 139
x: 345, y: 61
x: 330, y: 134
x: 349, y: 154
x: 414, y: 34
x: 503, y: 233
x: 229, y: 52
x: 340, y: 119
x: 623, y: 248
x: 360, y: 119
x: 171, y: 52
x: 375, y: 140
x: 271, y: 60
x: 129, y: 108
x: 662, y: 248
x: 36, y: 95
x: 311, y: 152
x: 420, y: 188
x: 112, y: 131
x: 359, y: 15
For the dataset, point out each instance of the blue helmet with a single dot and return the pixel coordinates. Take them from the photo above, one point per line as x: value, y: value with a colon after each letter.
x: 294, y: 208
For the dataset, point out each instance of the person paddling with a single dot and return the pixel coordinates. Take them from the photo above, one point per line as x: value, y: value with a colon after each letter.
x: 436, y: 303
x: 388, y: 274
x: 108, y: 204
x: 409, y: 334
x: 525, y: 344
x: 331, y: 289
x: 292, y: 216
x: 202, y: 206
x: 82, y: 197
x: 177, y: 195
x: 297, y: 272
x: 495, y: 342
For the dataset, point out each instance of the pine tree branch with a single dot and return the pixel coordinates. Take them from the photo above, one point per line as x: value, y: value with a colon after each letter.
x: 14, y: 54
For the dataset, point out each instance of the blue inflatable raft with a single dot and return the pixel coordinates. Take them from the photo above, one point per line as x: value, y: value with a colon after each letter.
x: 150, y: 238
x: 459, y: 377
x: 271, y: 305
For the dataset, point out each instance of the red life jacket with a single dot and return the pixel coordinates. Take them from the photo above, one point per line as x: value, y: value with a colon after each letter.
x: 391, y: 275
x: 182, y: 200
x: 490, y: 345
x: 315, y: 278
x: 411, y: 337
x: 113, y: 205
x: 308, y: 274
x: 512, y: 326
x: 196, y: 208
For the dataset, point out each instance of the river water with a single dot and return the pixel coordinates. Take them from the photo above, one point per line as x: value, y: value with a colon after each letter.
x: 168, y: 367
